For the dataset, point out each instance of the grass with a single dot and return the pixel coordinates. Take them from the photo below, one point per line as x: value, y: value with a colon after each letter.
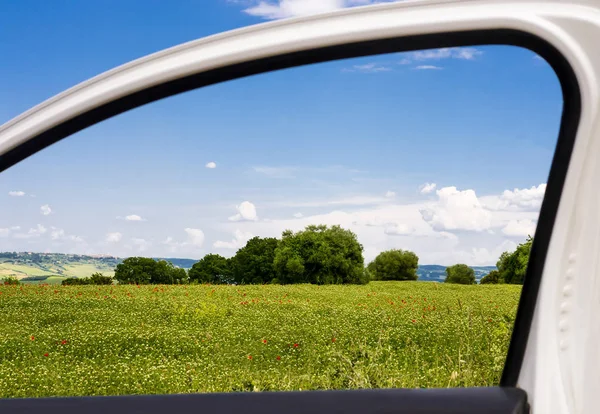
x: 22, y: 270
x: 86, y: 270
x: 109, y: 340
x: 68, y: 270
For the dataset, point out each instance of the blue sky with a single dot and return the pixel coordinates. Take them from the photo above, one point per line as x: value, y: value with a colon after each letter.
x: 358, y: 142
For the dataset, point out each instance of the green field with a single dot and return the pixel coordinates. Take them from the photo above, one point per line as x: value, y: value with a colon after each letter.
x: 20, y: 271
x: 108, y: 340
x: 69, y: 270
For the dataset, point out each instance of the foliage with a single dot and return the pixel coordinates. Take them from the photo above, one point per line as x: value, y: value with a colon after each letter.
x: 212, y: 268
x: 127, y: 339
x: 512, y: 266
x: 491, y: 278
x: 95, y: 279
x: 461, y: 274
x: 320, y: 255
x: 143, y: 271
x: 76, y: 281
x: 395, y: 264
x: 99, y: 279
x: 253, y: 263
x: 10, y: 280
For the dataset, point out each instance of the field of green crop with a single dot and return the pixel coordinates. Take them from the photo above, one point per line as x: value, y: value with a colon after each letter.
x: 108, y: 340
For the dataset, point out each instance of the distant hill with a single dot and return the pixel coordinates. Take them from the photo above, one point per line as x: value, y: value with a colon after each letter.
x: 437, y: 273
x: 54, y: 267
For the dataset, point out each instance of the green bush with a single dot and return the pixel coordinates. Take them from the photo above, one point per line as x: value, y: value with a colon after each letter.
x: 395, y: 264
x: 461, y: 274
x: 10, y: 280
x: 491, y: 278
x: 212, y: 268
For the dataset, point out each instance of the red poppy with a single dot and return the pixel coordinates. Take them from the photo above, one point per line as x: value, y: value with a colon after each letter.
x: 32, y: 338
x: 249, y: 356
x: 46, y: 354
x: 295, y: 345
x: 278, y: 358
x: 332, y: 339
x: 413, y: 321
x: 264, y: 341
x: 63, y: 342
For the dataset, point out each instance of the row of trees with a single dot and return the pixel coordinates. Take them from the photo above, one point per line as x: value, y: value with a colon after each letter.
x: 95, y: 279
x: 318, y: 255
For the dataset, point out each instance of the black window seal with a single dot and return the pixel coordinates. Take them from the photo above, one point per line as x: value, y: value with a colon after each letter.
x: 559, y: 166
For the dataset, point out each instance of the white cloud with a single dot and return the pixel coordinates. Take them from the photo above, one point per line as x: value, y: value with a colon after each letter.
x: 520, y: 228
x: 457, y: 210
x: 428, y: 67
x: 246, y: 211
x: 281, y: 9
x: 211, y: 165
x: 526, y: 197
x: 39, y: 230
x: 16, y: 193
x: 529, y: 199
x: 479, y: 256
x: 132, y: 217
x: 343, y: 201
x: 45, y: 209
x: 465, y: 53
x: 239, y: 240
x: 369, y: 68
x: 4, y: 232
x: 404, y: 61
x: 195, y: 237
x: 427, y: 188
x: 390, y: 194
x: 113, y: 237
x: 56, y: 233
x: 399, y: 230
x: 298, y: 215
x: 141, y: 244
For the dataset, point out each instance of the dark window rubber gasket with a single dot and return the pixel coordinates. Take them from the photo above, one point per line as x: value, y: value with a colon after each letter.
x: 566, y: 138
x: 489, y: 400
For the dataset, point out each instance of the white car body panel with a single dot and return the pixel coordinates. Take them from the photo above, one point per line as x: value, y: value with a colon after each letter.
x: 561, y: 370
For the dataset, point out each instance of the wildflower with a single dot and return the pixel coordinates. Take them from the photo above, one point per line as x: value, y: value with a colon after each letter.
x: 250, y: 357
x: 46, y: 354
x: 278, y: 358
x: 264, y: 341
x: 296, y: 345
x: 332, y: 339
x: 63, y: 342
x: 414, y: 320
x: 32, y: 338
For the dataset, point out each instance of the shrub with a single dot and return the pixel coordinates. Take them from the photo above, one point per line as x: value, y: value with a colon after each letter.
x: 461, y: 274
x: 395, y: 264
x: 10, y: 280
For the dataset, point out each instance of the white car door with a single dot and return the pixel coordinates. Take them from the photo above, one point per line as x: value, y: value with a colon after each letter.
x: 553, y: 360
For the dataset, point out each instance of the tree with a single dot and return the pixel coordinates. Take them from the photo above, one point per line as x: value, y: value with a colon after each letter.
x: 513, y: 266
x: 395, y: 264
x: 253, y: 263
x: 143, y: 270
x: 100, y: 279
x: 460, y: 273
x: 212, y: 268
x: 320, y: 255
x: 491, y: 278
